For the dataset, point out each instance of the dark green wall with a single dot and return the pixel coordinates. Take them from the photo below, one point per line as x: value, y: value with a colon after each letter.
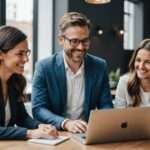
x: 109, y: 16
x: 146, y: 19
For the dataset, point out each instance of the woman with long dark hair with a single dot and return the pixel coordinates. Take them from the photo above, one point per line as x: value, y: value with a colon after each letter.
x: 15, y: 123
x: 134, y: 88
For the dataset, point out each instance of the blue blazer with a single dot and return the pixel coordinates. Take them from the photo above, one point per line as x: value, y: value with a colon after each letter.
x: 49, y: 91
x: 19, y: 117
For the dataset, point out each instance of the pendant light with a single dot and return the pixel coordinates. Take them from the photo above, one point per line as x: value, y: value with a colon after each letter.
x: 97, y: 1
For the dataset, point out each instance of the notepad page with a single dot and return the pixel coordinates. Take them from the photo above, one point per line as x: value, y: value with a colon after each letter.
x: 50, y: 141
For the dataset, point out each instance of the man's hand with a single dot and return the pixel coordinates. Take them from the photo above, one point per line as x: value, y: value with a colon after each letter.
x: 75, y: 126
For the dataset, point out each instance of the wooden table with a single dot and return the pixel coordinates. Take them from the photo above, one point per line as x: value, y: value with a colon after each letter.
x: 72, y: 144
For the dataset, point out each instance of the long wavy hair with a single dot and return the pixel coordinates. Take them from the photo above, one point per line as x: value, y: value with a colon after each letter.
x: 9, y: 38
x: 133, y: 85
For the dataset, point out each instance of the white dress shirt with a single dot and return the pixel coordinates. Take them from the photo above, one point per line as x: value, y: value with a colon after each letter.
x: 75, y: 92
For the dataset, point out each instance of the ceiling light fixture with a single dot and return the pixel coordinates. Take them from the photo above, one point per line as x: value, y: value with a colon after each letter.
x: 97, y: 1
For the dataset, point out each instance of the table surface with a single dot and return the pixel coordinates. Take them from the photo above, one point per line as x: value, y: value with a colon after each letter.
x: 72, y: 144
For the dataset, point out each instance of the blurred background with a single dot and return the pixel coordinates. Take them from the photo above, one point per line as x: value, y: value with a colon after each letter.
x: 117, y: 28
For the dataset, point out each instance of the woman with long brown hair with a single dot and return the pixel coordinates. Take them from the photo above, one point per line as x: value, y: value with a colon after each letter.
x: 134, y: 88
x: 14, y: 54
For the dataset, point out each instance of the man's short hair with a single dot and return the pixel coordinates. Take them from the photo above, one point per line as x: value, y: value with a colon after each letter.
x: 73, y: 19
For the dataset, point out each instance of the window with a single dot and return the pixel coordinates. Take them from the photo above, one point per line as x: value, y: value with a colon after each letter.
x: 19, y: 13
x: 133, y: 24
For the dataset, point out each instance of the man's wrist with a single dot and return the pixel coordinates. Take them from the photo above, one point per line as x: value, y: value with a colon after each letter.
x: 63, y: 123
x: 29, y: 134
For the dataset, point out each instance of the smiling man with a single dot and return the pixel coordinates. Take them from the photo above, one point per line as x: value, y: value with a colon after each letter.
x: 68, y: 85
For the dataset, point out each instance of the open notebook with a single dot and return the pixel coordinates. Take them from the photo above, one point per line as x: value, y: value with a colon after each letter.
x: 50, y: 141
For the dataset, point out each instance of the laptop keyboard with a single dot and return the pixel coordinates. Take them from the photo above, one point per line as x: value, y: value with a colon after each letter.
x: 81, y: 135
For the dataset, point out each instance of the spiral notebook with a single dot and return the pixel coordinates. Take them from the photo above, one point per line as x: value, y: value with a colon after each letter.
x: 50, y: 141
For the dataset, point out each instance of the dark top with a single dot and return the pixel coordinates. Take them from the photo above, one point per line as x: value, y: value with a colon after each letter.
x: 19, y: 117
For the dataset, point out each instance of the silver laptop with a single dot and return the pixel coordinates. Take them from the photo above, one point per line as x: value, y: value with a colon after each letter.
x: 115, y: 125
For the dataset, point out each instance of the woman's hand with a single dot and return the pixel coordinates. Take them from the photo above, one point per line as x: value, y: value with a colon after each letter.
x: 43, y: 131
x: 51, y: 130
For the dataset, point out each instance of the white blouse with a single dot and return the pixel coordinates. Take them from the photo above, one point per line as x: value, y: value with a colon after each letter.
x: 122, y: 98
x: 7, y: 112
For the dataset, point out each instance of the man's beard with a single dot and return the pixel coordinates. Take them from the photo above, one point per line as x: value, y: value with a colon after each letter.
x: 71, y: 52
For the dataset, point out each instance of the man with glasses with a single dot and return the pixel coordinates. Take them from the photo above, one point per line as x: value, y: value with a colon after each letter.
x: 69, y: 84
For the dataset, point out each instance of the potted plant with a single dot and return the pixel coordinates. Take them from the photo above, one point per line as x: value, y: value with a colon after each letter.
x: 114, y: 76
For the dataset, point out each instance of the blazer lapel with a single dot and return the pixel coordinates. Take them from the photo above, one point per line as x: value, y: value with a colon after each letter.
x: 2, y: 107
x: 88, y: 86
x: 12, y: 109
x: 13, y: 106
x: 2, y: 113
x: 61, y: 78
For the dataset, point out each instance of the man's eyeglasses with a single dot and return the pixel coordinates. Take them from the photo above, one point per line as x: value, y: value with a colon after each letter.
x: 24, y: 53
x: 75, y: 42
